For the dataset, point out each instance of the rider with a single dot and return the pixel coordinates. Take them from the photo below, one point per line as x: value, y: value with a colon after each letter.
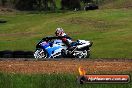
x: 65, y: 39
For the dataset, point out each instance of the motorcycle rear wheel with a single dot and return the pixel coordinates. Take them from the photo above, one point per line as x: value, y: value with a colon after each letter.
x: 82, y: 54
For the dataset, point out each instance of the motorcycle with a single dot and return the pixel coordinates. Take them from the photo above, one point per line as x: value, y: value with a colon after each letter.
x: 53, y: 47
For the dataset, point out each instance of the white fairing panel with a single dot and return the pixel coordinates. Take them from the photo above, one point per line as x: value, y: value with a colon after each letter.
x: 60, y: 43
x: 57, y: 41
x: 83, y: 43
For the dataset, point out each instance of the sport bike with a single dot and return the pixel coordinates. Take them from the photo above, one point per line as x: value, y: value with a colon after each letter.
x: 53, y: 47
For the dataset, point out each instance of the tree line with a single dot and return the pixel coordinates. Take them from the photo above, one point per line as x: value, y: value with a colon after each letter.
x: 45, y: 4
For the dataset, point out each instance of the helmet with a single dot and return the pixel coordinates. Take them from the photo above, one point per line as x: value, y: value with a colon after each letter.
x: 59, y: 32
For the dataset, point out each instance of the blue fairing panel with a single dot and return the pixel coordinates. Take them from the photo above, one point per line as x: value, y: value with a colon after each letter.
x: 51, y: 50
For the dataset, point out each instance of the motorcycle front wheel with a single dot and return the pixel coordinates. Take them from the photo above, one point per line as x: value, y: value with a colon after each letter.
x: 40, y: 53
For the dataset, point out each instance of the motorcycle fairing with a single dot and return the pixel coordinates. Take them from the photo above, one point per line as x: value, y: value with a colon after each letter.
x: 51, y: 50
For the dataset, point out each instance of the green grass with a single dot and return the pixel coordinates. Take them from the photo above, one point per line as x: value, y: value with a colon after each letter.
x: 50, y: 81
x: 110, y: 30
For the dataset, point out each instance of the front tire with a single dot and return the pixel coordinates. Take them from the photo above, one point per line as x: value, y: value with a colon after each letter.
x: 40, y: 53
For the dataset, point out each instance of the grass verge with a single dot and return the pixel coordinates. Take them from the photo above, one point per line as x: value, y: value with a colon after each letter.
x: 49, y: 81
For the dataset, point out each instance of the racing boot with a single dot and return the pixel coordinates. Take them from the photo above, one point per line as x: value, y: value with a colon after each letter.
x: 71, y: 49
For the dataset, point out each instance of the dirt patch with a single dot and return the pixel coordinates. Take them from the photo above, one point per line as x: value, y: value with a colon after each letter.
x: 65, y: 66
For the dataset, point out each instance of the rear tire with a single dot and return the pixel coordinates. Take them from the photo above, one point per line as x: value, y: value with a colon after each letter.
x: 88, y: 54
x: 82, y: 54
